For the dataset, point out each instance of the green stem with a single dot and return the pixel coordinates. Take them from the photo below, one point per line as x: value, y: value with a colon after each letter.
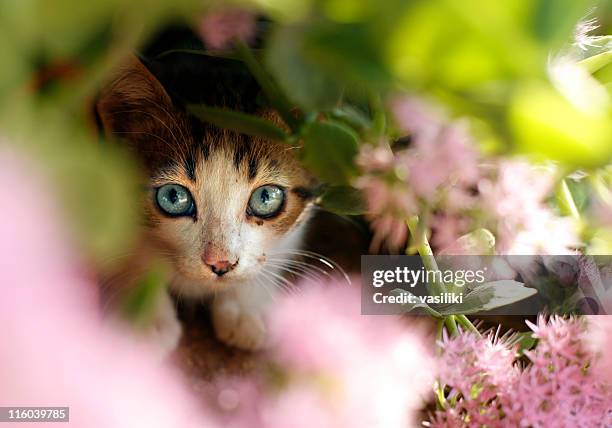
x: 441, y: 403
x: 451, y: 325
x: 419, y: 236
x: 467, y: 324
x: 566, y: 201
x: 439, y: 328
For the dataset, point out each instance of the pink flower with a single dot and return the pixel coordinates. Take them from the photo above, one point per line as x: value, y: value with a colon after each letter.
x: 514, y: 199
x: 444, y: 158
x: 389, y: 205
x: 220, y: 28
x: 415, y: 116
x: 560, y: 388
x: 443, y: 152
x: 600, y: 332
x: 437, y: 171
x: 378, y: 158
x: 480, y: 371
x: 447, y: 228
x: 55, y: 349
x: 342, y: 368
x: 601, y: 213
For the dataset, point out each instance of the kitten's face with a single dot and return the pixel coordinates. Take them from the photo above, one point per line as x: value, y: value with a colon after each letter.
x: 217, y: 203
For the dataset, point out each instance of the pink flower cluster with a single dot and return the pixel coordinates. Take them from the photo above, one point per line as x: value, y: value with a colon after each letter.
x: 336, y: 367
x: 438, y: 168
x: 478, y: 372
x: 515, y: 201
x: 443, y: 179
x: 561, y: 386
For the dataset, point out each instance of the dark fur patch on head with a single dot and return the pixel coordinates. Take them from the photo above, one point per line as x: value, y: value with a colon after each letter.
x: 205, y: 149
x: 189, y: 164
x: 253, y: 165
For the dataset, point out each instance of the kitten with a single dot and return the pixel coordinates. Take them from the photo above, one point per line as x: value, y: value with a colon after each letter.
x: 219, y: 205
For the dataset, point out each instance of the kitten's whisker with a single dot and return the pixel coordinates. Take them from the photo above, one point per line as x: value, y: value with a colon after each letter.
x: 265, y: 287
x: 318, y: 257
x: 288, y: 287
x: 301, y: 272
x: 172, y: 117
x: 176, y: 146
x: 296, y: 263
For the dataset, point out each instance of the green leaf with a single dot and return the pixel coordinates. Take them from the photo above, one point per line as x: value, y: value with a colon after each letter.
x: 239, y: 122
x: 596, y: 62
x: 352, y: 117
x: 300, y: 78
x: 140, y: 303
x: 548, y: 126
x: 489, y: 296
x: 417, y: 306
x: 343, y: 200
x: 329, y: 150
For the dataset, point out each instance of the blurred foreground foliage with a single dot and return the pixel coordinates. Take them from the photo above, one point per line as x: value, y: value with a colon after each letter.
x: 336, y: 61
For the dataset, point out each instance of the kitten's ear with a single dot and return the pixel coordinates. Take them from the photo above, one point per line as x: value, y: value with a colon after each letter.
x: 135, y: 108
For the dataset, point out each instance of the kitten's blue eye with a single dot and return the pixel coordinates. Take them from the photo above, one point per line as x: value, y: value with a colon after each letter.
x: 175, y: 200
x: 266, y: 201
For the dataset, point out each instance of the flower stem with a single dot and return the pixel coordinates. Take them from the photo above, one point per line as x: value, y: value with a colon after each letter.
x: 451, y: 325
x: 467, y: 324
x: 419, y: 235
x: 566, y: 201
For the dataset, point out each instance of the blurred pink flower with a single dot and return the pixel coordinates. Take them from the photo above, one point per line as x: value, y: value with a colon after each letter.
x: 342, y: 369
x: 55, y: 349
x: 445, y: 159
x: 378, y: 158
x: 447, y: 228
x: 599, y: 334
x: 443, y: 153
x: 416, y: 116
x: 389, y: 205
x: 220, y: 28
x: 437, y: 171
x: 601, y: 213
x: 515, y: 200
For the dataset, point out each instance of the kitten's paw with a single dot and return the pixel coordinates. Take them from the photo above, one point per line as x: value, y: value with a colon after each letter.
x: 166, y: 330
x: 238, y: 325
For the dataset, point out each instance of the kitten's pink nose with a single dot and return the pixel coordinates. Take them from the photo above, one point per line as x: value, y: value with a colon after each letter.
x: 218, y: 265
